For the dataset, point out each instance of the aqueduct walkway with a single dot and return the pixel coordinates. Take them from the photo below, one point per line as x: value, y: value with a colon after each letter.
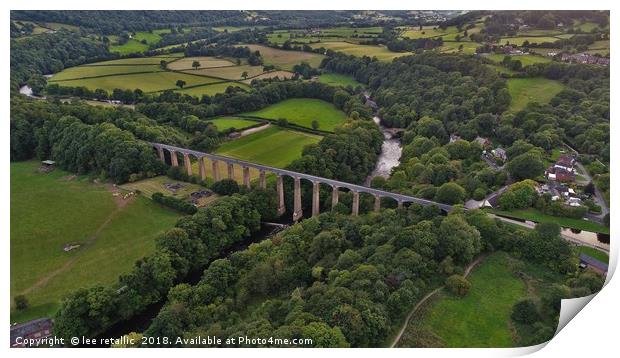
x: 263, y: 169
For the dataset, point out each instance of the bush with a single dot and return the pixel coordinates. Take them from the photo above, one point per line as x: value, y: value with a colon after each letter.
x: 479, y: 194
x: 225, y: 187
x: 174, y: 203
x: 21, y: 302
x: 525, y: 311
x: 458, y: 285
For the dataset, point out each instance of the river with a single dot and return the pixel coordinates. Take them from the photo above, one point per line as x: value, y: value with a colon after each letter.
x: 389, y: 158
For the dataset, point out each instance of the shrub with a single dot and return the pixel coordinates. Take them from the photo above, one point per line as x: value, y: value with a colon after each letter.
x: 174, y: 203
x: 479, y: 194
x: 458, y: 285
x: 21, y: 302
x: 525, y: 311
x: 225, y: 187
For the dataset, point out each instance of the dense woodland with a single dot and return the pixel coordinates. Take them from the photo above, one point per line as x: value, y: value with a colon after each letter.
x: 343, y: 281
x: 339, y: 280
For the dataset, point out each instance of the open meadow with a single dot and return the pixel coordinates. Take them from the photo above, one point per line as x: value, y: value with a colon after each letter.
x: 225, y: 123
x: 336, y: 79
x: 147, y: 74
x: 285, y: 60
x: 302, y: 111
x: 482, y: 317
x: 51, y: 211
x: 273, y: 146
x: 380, y: 52
x: 526, y: 90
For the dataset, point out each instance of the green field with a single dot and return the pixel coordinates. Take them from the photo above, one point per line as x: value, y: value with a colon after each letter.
x: 532, y: 39
x: 525, y: 90
x: 211, y: 89
x: 350, y: 34
x: 532, y: 214
x: 147, y: 82
x: 302, y: 111
x: 428, y: 31
x: 205, y: 62
x: 482, y: 318
x: 285, y: 60
x: 271, y: 74
x: 335, y: 79
x: 94, y: 71
x: 154, y: 60
x: 380, y: 52
x: 135, y: 45
x: 229, y: 72
x: 273, y: 146
x: 526, y: 60
x: 466, y: 47
x: 49, y: 211
x: 224, y: 123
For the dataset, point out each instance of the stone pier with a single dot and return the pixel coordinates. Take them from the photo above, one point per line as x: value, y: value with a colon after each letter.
x: 377, y: 203
x: 280, y: 187
x: 202, y: 169
x: 215, y: 168
x: 316, y: 191
x: 335, y: 195
x: 187, y: 164
x: 231, y: 171
x: 262, y: 180
x: 162, y: 157
x: 174, y: 159
x: 356, y: 203
x: 246, y: 177
x: 297, y: 211
x: 400, y: 204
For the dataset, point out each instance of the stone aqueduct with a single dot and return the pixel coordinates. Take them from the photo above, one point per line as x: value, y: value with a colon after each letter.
x: 280, y: 173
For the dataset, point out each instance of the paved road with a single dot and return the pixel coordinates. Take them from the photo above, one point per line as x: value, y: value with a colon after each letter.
x: 598, y: 196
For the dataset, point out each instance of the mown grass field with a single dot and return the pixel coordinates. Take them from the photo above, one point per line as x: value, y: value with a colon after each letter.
x: 526, y: 90
x: 205, y: 62
x: 531, y: 39
x: 93, y: 71
x: 532, y: 214
x: 350, y: 34
x: 526, y: 60
x: 466, y: 47
x: 380, y: 52
x: 214, y: 76
x: 135, y: 44
x: 273, y: 146
x: 302, y: 111
x: 147, y: 82
x: 211, y: 89
x: 48, y: 212
x: 335, y: 79
x: 224, y: 123
x: 272, y: 74
x: 285, y: 60
x: 482, y: 318
x: 428, y: 31
x: 230, y: 72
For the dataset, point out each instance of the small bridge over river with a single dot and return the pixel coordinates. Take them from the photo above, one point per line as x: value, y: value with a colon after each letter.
x: 280, y: 173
